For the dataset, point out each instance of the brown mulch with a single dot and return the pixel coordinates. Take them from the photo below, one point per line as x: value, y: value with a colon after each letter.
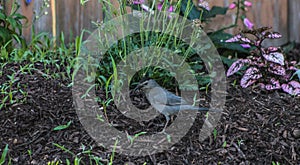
x: 266, y: 124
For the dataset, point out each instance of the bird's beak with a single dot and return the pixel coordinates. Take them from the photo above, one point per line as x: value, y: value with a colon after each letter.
x: 139, y: 86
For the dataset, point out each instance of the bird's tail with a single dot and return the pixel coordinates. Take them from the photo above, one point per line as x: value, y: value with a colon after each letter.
x: 189, y: 107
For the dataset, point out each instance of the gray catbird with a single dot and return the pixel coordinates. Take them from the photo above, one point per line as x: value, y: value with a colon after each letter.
x: 164, y: 101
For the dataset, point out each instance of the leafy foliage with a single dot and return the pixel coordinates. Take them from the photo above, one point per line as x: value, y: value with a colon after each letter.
x: 204, y: 14
x: 266, y: 66
x: 218, y: 38
x: 105, y: 69
x: 11, y: 28
x: 188, y: 9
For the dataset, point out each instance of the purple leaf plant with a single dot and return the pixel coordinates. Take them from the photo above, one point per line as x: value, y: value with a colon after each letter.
x: 266, y: 67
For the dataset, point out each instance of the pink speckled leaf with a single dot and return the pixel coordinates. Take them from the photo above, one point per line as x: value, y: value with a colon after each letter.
x: 292, y: 88
x: 275, y: 82
x: 293, y: 62
x: 272, y: 35
x: 273, y: 49
x: 287, y: 77
x: 250, y: 77
x: 257, y: 61
x: 245, y: 40
x: 277, y: 69
x: 275, y: 57
x: 253, y: 73
x: 262, y: 86
x: 274, y: 85
x: 236, y: 66
x: 293, y: 68
x: 295, y: 84
x: 235, y: 38
x: 245, y: 82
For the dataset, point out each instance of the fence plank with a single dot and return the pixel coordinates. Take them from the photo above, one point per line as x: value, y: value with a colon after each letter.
x: 271, y: 13
x: 223, y: 20
x: 263, y: 13
x: 72, y: 18
x: 7, y: 6
x: 294, y: 20
x: 44, y: 22
x: 27, y: 11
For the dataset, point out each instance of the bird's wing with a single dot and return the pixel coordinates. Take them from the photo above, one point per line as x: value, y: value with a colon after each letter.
x: 174, y: 99
x: 164, y: 97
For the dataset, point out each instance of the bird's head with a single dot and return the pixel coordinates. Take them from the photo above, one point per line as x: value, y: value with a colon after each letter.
x: 146, y: 85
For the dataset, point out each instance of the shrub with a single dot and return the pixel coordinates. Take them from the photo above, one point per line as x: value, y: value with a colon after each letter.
x: 11, y: 28
x: 266, y: 66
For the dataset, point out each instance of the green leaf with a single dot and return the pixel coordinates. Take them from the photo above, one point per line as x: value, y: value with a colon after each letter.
x: 2, y: 16
x: 19, y: 16
x: 196, y: 67
x: 61, y: 127
x: 232, y: 46
x: 12, y: 22
x: 203, y: 80
x: 77, y: 160
x: 216, y: 10
x: 5, y: 35
x: 139, y: 134
x: 136, y: 7
x: 6, y: 38
x: 288, y: 47
x: 68, y: 162
x: 218, y: 36
x: 227, y: 61
x: 224, y: 144
x: 3, y: 156
x: 82, y: 2
x: 188, y: 7
x: 64, y: 149
x: 215, y: 133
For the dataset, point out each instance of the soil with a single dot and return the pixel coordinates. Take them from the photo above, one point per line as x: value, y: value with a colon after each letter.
x: 256, y: 127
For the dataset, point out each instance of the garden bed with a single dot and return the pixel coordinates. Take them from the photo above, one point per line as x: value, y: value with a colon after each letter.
x: 257, y: 127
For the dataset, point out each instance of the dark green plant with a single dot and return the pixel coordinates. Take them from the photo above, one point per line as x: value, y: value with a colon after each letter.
x: 202, y: 14
x: 105, y: 71
x: 11, y: 28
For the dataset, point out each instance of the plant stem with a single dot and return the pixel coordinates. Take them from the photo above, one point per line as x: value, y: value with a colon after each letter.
x: 237, y: 12
x: 235, y: 21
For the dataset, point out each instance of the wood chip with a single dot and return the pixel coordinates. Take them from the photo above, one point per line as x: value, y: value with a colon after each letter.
x: 242, y: 129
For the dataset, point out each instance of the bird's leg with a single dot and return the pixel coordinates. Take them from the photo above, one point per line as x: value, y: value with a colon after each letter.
x: 165, y: 126
x: 167, y: 122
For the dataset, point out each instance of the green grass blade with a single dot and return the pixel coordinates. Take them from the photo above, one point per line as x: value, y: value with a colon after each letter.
x: 4, y: 154
x: 61, y: 127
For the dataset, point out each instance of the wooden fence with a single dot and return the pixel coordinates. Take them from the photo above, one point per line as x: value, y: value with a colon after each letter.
x: 70, y: 17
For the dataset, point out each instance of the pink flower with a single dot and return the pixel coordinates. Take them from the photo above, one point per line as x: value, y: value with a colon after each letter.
x: 171, y: 8
x: 248, y: 23
x: 160, y: 5
x: 204, y: 4
x: 137, y: 2
x: 247, y: 3
x: 232, y: 6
